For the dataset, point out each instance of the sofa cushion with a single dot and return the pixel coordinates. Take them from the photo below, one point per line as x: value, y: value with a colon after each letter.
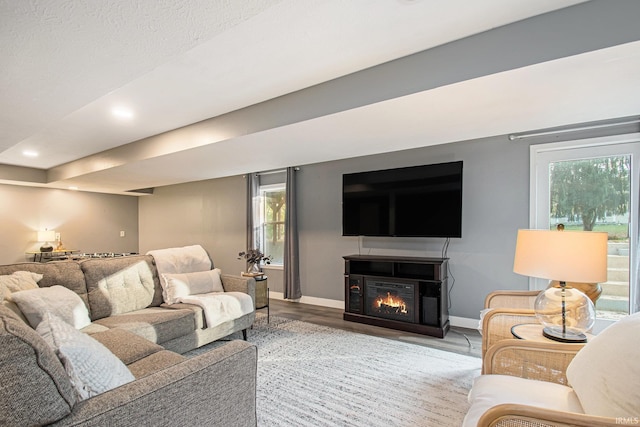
x: 58, y: 300
x: 34, y: 388
x: 180, y: 285
x: 121, y: 285
x: 91, y: 367
x: 492, y: 390
x: 605, y: 372
x: 155, y: 362
x: 198, y: 313
x: 156, y: 324
x: 94, y: 328
x: 126, y: 345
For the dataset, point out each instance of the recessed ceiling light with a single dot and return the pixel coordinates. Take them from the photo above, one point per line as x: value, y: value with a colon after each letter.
x: 122, y: 113
x: 30, y: 153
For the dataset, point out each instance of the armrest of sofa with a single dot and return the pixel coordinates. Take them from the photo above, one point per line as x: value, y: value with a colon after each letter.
x: 530, y: 359
x: 513, y: 414
x: 232, y: 283
x: 214, y: 388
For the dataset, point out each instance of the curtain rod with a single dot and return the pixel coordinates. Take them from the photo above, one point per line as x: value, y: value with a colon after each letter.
x: 523, y: 135
x: 297, y: 168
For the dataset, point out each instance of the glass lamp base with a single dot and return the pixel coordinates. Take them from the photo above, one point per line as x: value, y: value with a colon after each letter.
x: 568, y: 337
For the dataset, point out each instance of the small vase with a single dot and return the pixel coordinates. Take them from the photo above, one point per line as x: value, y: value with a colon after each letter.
x: 253, y: 269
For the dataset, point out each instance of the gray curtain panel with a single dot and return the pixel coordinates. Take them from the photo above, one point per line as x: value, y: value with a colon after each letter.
x: 635, y: 303
x: 253, y: 183
x: 291, y: 265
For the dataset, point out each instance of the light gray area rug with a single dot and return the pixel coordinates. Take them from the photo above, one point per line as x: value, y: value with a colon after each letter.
x: 311, y: 375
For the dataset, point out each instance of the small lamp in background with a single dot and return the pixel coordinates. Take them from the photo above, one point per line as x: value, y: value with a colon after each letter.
x: 563, y: 256
x: 46, y: 236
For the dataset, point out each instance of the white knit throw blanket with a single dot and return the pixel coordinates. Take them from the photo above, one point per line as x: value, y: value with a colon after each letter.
x: 220, y: 307
x: 187, y: 259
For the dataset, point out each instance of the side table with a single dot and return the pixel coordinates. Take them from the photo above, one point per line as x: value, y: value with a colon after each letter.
x: 262, y: 294
x: 533, y: 332
x: 51, y: 255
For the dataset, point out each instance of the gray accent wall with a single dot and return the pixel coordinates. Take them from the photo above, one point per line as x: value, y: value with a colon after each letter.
x: 210, y: 213
x: 88, y: 222
x: 495, y: 205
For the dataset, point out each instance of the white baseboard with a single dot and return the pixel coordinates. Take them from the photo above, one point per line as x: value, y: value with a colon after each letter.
x: 323, y: 302
x: 461, y: 322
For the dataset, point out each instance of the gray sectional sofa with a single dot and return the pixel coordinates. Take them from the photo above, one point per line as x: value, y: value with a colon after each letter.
x: 125, y: 292
x: 124, y: 299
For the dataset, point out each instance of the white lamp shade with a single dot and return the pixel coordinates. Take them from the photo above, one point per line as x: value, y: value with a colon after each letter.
x: 570, y: 256
x: 46, y: 236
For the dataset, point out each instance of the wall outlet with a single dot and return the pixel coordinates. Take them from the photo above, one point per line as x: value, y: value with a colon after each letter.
x: 57, y: 237
x: 122, y: 233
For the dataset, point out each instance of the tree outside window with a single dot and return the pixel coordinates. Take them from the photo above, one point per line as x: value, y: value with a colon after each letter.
x: 272, y: 215
x: 592, y: 193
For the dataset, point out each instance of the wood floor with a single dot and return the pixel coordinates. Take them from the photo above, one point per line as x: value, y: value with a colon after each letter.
x: 458, y: 340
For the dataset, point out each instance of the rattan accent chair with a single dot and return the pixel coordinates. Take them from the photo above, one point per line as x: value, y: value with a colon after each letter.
x: 511, y: 299
x: 502, y: 311
x: 534, y: 384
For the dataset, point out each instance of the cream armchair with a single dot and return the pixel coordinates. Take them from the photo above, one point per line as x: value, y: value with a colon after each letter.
x: 502, y: 310
x: 552, y: 384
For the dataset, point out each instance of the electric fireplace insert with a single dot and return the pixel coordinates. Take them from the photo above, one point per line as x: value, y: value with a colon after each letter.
x: 395, y: 301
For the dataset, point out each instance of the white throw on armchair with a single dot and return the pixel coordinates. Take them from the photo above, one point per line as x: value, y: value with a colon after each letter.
x: 601, y: 386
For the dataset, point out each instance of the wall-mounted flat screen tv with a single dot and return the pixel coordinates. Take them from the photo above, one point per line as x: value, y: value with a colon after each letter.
x: 416, y: 201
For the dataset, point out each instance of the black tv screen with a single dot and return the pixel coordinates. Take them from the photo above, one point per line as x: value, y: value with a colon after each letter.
x: 417, y: 201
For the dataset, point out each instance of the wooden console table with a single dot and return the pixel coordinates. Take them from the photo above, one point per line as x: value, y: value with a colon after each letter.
x: 48, y: 256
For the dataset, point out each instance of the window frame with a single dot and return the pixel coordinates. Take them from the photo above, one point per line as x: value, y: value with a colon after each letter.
x: 542, y: 154
x: 260, y: 217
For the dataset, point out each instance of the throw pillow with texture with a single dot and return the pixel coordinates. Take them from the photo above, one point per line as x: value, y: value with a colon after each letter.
x: 15, y: 282
x: 62, y: 302
x: 91, y: 367
x: 4, y: 292
x: 182, y: 285
x: 604, y: 374
x: 20, y: 281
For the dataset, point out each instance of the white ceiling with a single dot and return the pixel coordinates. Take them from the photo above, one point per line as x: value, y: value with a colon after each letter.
x: 67, y: 64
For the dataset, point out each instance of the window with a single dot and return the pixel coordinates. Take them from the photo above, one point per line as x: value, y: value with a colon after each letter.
x: 593, y: 185
x: 270, y: 219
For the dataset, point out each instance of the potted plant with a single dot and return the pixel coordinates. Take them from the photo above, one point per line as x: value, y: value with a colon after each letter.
x: 254, y: 258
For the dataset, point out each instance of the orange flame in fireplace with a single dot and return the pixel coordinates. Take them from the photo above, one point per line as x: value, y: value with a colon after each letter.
x: 390, y: 301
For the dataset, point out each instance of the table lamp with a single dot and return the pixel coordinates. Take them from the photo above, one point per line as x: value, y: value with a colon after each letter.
x: 46, y: 236
x: 563, y: 256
